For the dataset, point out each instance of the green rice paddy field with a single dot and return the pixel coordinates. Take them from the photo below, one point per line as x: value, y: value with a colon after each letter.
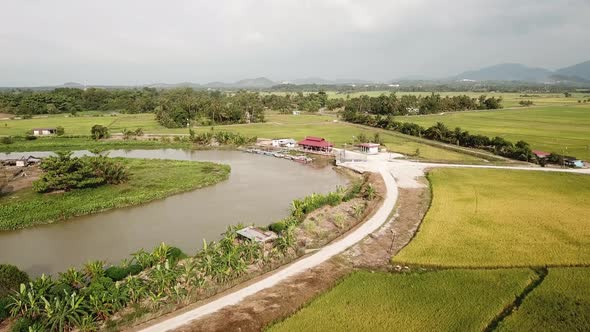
x: 451, y: 300
x: 559, y: 129
x: 500, y: 218
x: 495, y: 223
x: 560, y: 303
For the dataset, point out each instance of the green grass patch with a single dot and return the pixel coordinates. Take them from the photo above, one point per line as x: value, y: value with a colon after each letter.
x: 560, y: 303
x: 277, y: 126
x: 495, y: 218
x: 559, y: 129
x: 452, y: 300
x: 86, y: 143
x: 150, y: 179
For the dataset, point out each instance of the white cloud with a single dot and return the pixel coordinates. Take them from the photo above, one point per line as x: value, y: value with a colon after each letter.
x: 46, y: 42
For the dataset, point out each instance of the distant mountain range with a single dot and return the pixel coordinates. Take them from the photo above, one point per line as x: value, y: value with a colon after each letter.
x: 519, y: 72
x: 576, y: 74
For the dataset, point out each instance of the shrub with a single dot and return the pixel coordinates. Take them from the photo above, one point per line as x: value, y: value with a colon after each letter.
x: 116, y: 273
x: 7, y: 140
x: 175, y: 254
x: 11, y: 278
x: 278, y: 227
x: 4, y: 311
x: 22, y: 325
x: 30, y: 137
x: 65, y: 173
x: 134, y: 269
x: 99, y: 132
x: 59, y: 289
x: 60, y: 131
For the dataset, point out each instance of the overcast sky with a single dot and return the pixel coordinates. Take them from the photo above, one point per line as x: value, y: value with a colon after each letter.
x: 146, y: 41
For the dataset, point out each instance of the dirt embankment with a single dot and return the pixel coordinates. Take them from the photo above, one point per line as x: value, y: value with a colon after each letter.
x: 16, y: 178
x: 282, y: 300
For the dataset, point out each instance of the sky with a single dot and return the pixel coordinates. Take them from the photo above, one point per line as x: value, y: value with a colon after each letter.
x: 145, y: 41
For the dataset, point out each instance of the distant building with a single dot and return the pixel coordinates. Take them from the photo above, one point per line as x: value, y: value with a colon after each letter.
x: 369, y: 148
x: 315, y: 144
x: 284, y: 143
x: 44, y: 131
x: 296, y: 112
x: 256, y: 234
x: 541, y: 154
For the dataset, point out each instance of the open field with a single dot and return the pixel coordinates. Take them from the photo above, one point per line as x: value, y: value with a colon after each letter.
x: 277, y: 126
x: 560, y: 129
x: 560, y: 303
x: 499, y: 218
x: 149, y: 180
x: 452, y: 300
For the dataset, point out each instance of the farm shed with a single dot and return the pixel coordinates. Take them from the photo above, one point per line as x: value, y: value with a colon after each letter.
x: 44, y: 131
x: 316, y: 144
x: 255, y: 234
x: 369, y: 148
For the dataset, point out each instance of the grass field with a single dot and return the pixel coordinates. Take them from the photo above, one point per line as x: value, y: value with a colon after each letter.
x: 560, y: 303
x: 149, y: 180
x: 560, y: 129
x: 495, y: 218
x: 277, y: 126
x: 452, y: 300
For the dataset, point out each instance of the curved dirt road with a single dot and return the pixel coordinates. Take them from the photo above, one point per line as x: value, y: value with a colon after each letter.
x: 322, y: 255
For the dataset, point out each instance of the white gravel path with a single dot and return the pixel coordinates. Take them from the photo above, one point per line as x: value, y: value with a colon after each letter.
x: 302, y: 265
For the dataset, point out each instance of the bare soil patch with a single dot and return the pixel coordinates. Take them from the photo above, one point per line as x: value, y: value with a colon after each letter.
x: 18, y: 178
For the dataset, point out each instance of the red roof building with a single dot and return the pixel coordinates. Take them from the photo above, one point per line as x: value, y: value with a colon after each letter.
x: 541, y: 154
x: 316, y: 144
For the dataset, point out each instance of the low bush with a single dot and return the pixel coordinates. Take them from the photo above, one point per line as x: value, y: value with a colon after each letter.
x: 22, y: 325
x: 175, y: 254
x: 11, y: 278
x: 7, y: 140
x: 30, y: 137
x: 116, y: 273
x: 134, y: 269
x: 60, y: 289
x: 277, y: 227
x: 4, y: 311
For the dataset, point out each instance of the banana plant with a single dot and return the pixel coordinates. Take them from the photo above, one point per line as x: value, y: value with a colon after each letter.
x: 73, y: 278
x: 94, y: 269
x: 63, y: 313
x: 25, y: 303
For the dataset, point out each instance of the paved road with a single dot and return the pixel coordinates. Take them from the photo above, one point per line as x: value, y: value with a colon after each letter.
x: 322, y: 255
x: 395, y: 172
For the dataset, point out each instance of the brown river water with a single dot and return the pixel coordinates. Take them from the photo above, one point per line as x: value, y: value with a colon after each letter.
x: 259, y: 190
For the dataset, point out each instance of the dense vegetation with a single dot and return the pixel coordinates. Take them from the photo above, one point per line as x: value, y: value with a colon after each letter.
x: 439, y: 132
x: 173, y: 108
x: 412, y: 104
x: 88, y: 298
x: 454, y: 300
x: 149, y: 180
x: 501, y: 218
x: 64, y: 172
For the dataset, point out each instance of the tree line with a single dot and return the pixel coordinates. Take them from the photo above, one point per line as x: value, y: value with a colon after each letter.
x: 411, y: 104
x: 440, y: 132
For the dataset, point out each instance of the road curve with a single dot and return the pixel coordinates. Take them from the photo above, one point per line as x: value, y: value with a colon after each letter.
x: 322, y: 255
